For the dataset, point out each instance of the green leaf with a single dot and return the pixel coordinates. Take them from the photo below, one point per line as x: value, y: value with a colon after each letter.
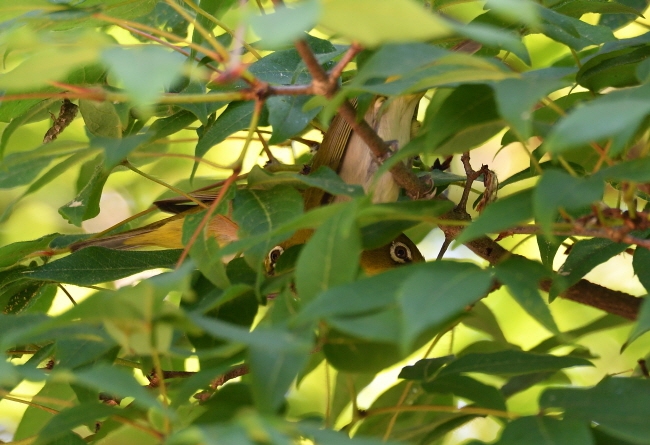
x: 642, y: 324
x: 558, y: 190
x: 617, y: 405
x: 510, y: 362
x: 432, y: 297
x: 259, y: 212
x: 234, y: 118
x: 116, y: 150
x: 425, y: 369
x: 287, y: 117
x: 275, y: 357
x: 641, y: 265
x: 616, y: 21
x: 395, y: 59
x: 12, y: 253
x: 31, y: 297
x: 467, y: 118
x: 331, y: 256
x: 101, y: 118
x: 373, y: 22
x: 286, y: 67
x: 86, y: 204
x: 605, y: 322
x: 24, y: 119
x: 583, y: 257
x: 53, y: 393
x: 516, y: 98
x: 62, y: 52
x: 404, y: 211
x: 145, y: 71
x: 482, y: 319
x: 483, y: 395
x: 347, y: 353
x: 346, y: 386
x: 522, y: 277
x: 617, y: 115
x: 541, y: 430
x: 637, y: 170
x: 324, y: 178
x: 286, y: 24
x: 410, y: 426
x: 577, y: 8
x: 115, y: 381
x: 615, y: 69
x: 574, y: 33
x: 492, y: 36
x: 94, y: 265
x: 500, y: 215
x: 70, y: 418
x: 523, y: 12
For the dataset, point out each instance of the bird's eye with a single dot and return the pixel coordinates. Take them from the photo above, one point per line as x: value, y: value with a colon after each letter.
x: 400, y: 253
x: 274, y: 254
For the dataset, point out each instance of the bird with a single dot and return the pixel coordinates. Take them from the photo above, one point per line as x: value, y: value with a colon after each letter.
x: 344, y: 152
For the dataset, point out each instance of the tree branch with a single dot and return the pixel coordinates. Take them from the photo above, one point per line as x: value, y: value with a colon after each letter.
x: 585, y: 292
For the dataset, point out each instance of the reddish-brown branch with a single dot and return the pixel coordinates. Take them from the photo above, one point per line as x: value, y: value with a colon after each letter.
x: 585, y: 292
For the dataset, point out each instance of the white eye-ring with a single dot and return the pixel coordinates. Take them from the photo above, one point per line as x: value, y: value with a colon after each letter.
x: 274, y: 255
x: 400, y: 252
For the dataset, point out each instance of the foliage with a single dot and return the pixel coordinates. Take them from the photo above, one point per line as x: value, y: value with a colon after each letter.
x: 567, y: 82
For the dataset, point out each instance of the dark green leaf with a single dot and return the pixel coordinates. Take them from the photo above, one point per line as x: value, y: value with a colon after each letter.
x: 12, y: 253
x: 482, y: 319
x: 467, y: 118
x: 510, y: 362
x: 117, y: 382
x: 116, y: 150
x: 616, y: 21
x: 616, y: 115
x: 73, y: 417
x: 287, y: 117
x: 576, y: 8
x: 642, y: 324
x: 516, y: 98
x: 324, y: 178
x: 615, y: 69
x: 234, y: 118
x: 492, y: 36
x: 425, y: 369
x: 641, y: 265
x: 432, y: 297
x: 573, y: 32
x: 331, y: 256
x: 101, y: 118
x: 540, y: 430
x: 500, y: 215
x: 583, y: 257
x: 53, y: 393
x: 397, y: 60
x: 86, y: 204
x: 522, y: 276
x: 465, y: 387
x: 357, y: 355
x: 605, y: 322
x: 637, y: 170
x: 558, y: 190
x: 617, y: 405
x: 94, y: 265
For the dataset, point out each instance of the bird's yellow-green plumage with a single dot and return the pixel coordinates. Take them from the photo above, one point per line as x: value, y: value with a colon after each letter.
x: 341, y: 150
